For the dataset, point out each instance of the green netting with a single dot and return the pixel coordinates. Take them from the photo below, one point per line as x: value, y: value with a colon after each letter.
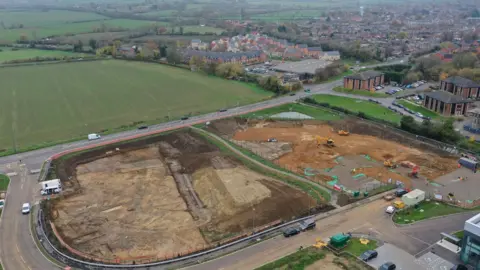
x: 308, y: 172
x: 333, y: 182
x: 359, y: 175
x: 367, y: 157
x: 328, y: 169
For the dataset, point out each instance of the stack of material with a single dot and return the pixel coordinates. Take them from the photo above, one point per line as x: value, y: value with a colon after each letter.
x: 408, y: 164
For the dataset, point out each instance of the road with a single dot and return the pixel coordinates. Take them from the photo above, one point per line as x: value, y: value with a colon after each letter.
x: 17, y: 250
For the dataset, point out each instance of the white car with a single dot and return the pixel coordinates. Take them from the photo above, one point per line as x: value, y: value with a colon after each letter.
x: 25, y: 208
x: 390, y: 210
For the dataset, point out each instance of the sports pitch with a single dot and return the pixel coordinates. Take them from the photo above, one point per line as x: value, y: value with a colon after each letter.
x: 50, y: 103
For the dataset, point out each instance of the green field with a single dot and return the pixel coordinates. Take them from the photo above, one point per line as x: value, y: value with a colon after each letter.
x: 315, y: 112
x: 4, y: 180
x: 358, y: 105
x: 65, y: 101
x: 7, y: 54
x: 359, y: 92
x: 41, y: 24
x: 356, y: 248
x: 202, y: 29
x: 426, y: 210
x: 419, y: 109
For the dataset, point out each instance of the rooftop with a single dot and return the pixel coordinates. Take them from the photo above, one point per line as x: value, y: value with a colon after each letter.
x: 302, y: 67
x: 365, y: 75
x: 461, y: 81
x: 473, y: 224
x: 447, y: 97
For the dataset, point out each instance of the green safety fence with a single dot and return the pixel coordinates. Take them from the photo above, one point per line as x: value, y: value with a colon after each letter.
x: 359, y: 175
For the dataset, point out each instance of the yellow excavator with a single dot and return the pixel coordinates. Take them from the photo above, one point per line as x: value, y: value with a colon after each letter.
x: 389, y: 164
x: 343, y: 133
x: 326, y: 141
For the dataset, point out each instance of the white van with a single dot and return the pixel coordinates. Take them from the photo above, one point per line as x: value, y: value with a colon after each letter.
x: 93, y: 136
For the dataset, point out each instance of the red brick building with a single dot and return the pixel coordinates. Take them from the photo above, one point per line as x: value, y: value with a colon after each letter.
x: 446, y: 103
x: 460, y: 86
x: 366, y: 80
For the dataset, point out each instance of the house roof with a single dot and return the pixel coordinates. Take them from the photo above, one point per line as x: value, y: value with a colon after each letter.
x: 364, y: 75
x: 315, y: 49
x: 196, y: 41
x: 333, y: 53
x: 302, y: 46
x: 292, y: 50
x: 461, y: 81
x: 222, y: 55
x: 447, y: 97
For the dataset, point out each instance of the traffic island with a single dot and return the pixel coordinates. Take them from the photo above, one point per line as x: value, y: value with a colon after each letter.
x: 427, y: 210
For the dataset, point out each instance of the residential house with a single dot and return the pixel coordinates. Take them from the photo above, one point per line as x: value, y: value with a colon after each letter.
x: 446, y: 103
x: 293, y: 53
x: 277, y: 52
x: 366, y: 80
x: 461, y: 87
x: 126, y: 51
x: 249, y: 57
x: 314, y: 52
x: 330, y: 56
x: 444, y: 56
x: 303, y: 48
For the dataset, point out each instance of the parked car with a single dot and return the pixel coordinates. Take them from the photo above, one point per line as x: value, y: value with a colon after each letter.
x: 2, y: 203
x: 307, y: 224
x: 292, y: 94
x: 291, y: 231
x: 388, y: 266
x: 419, y: 115
x: 25, y: 208
x: 222, y: 110
x: 142, y: 127
x: 400, y: 192
x: 93, y: 136
x: 390, y: 210
x: 184, y: 118
x: 369, y: 255
x: 374, y: 101
x: 459, y: 267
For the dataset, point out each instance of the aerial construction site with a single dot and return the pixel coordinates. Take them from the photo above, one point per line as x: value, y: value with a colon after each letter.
x: 168, y: 195
x: 345, y: 154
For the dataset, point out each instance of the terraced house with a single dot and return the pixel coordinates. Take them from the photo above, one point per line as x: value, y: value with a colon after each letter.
x: 227, y: 57
x: 366, y: 80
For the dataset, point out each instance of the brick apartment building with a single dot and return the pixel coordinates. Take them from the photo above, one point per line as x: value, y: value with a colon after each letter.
x: 446, y: 104
x: 366, y: 80
x: 460, y: 86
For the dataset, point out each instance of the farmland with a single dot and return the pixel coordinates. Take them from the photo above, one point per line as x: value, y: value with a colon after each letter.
x: 38, y: 24
x: 65, y: 101
x: 7, y: 54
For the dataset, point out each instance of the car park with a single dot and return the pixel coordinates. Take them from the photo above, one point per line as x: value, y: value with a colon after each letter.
x: 291, y: 231
x: 388, y: 266
x: 25, y: 208
x: 368, y: 255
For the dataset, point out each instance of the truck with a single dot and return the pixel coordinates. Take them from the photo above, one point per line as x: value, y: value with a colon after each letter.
x: 51, y: 187
x: 413, y: 197
x: 468, y: 163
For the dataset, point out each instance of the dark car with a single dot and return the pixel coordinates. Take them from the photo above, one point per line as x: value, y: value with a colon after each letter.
x: 368, y: 255
x: 388, y: 266
x: 400, y: 192
x: 291, y: 231
x: 222, y: 110
x: 292, y: 94
x: 184, y: 118
x: 142, y: 127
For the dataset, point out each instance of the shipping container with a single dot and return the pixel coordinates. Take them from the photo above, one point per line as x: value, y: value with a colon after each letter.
x: 468, y: 163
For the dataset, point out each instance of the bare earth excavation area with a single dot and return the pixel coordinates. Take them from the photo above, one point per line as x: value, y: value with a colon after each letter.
x: 172, y: 196
x: 355, y: 162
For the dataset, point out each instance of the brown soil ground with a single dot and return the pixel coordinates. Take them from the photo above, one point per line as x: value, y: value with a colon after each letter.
x: 306, y: 153
x: 176, y: 194
x: 328, y: 263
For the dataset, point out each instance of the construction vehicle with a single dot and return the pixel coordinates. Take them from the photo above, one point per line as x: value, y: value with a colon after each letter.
x: 326, y: 141
x: 343, y: 133
x: 389, y: 164
x: 414, y: 172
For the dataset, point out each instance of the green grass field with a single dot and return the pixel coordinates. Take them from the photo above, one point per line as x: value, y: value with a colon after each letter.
x: 7, y: 54
x: 420, y: 109
x: 65, y: 101
x: 4, y: 180
x: 357, y: 105
x: 356, y: 248
x: 41, y: 24
x: 317, y: 113
x: 426, y: 210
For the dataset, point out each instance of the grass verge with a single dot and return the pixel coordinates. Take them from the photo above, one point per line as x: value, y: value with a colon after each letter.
x: 298, y: 260
x: 4, y: 181
x: 419, y: 109
x: 358, y: 105
x: 427, y: 210
x: 316, y: 113
x: 459, y: 234
x: 317, y: 193
x: 356, y: 248
x: 359, y: 92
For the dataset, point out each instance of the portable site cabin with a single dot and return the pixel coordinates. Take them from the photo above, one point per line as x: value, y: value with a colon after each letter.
x: 51, y: 186
x: 413, y: 197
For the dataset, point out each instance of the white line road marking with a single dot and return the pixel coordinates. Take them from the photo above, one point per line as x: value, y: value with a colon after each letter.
x: 21, y: 187
x: 21, y: 257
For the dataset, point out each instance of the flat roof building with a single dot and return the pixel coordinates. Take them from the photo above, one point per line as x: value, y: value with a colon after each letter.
x: 305, y: 68
x: 470, y: 253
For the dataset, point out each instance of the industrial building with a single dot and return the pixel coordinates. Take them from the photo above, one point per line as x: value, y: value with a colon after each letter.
x: 305, y: 68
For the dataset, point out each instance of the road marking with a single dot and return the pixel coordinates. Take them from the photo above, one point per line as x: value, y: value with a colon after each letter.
x: 21, y: 257
x: 21, y: 187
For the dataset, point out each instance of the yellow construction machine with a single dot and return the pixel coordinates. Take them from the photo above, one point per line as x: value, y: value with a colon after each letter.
x: 326, y: 141
x: 343, y: 133
x: 389, y: 164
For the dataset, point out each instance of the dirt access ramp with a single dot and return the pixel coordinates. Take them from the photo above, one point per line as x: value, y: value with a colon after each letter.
x: 306, y: 153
